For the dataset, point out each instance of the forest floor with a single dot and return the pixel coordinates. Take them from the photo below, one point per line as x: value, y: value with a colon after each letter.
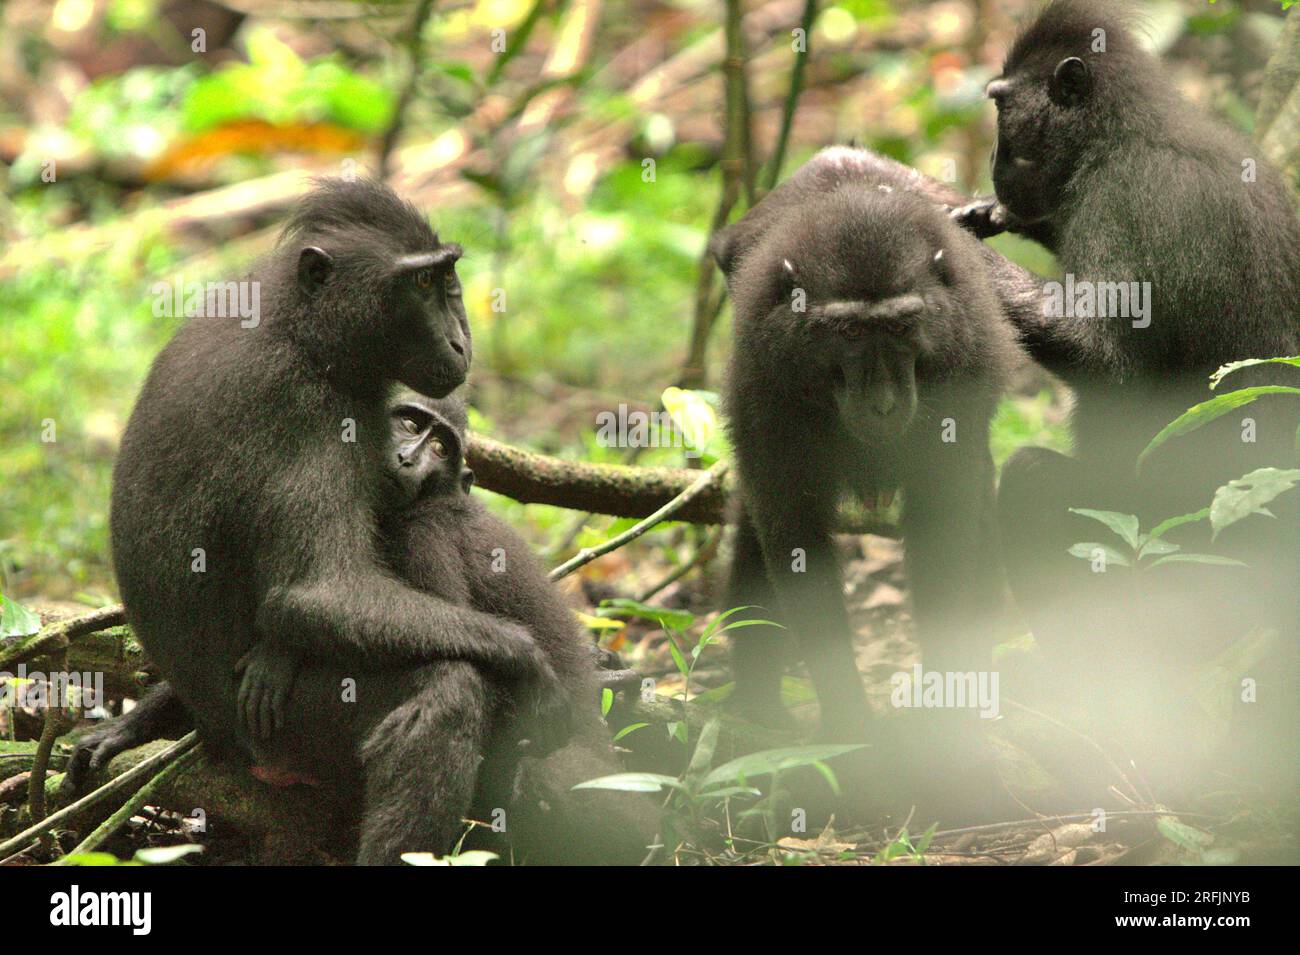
x: 1057, y: 767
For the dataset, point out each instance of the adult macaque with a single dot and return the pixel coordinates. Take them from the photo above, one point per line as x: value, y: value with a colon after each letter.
x: 246, y: 506
x: 444, y: 542
x: 869, y: 355
x: 1139, y: 192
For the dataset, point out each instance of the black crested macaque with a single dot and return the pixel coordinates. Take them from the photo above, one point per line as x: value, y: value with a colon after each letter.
x: 1138, y: 192
x: 439, y: 539
x: 1145, y: 199
x: 494, y: 571
x: 1017, y: 288
x: 245, y: 512
x: 869, y: 355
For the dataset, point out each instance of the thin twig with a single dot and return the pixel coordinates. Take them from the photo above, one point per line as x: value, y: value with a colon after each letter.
x: 516, y: 43
x: 737, y: 174
x: 41, y: 760
x: 585, y: 556
x: 791, y: 97
x: 1067, y: 817
x: 126, y: 782
x: 703, y: 553
x: 709, y: 292
x: 131, y: 806
x: 740, y: 143
x: 1137, y: 797
x: 415, y: 64
x: 629, y: 458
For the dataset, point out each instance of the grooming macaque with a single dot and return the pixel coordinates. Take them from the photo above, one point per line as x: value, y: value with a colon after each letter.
x: 869, y: 355
x: 1138, y: 191
x: 1099, y: 158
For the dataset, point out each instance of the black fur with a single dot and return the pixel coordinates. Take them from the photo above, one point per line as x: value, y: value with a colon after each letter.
x: 237, y: 447
x: 494, y: 571
x: 1132, y: 183
x: 802, y: 439
x: 442, y: 541
x: 1102, y: 160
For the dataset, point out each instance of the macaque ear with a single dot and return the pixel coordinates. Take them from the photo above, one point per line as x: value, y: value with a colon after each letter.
x: 1071, y: 82
x: 723, y: 247
x: 314, y: 267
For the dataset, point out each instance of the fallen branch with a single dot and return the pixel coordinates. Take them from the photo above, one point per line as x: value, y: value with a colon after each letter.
x: 41, y: 762
x: 616, y: 490
x: 179, y: 761
x: 59, y: 635
x: 578, y: 485
x: 146, y: 769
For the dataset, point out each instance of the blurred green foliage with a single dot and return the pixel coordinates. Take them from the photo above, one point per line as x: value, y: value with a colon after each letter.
x: 71, y: 362
x: 600, y: 290
x: 276, y: 85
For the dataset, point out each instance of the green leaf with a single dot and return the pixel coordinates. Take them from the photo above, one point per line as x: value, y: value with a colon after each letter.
x: 1154, y: 547
x: 165, y: 855
x: 16, y: 620
x: 1224, y: 370
x: 1183, y: 835
x: 718, y: 694
x: 901, y: 846
x: 693, y: 415
x: 1207, y: 411
x: 457, y: 70
x: 1197, y: 559
x: 1125, y: 525
x: 1248, y: 494
x: 95, y: 859
x: 626, y: 607
x: 702, y: 758
x: 774, y: 761
x: 599, y: 623
x: 630, y: 728
x: 1086, y: 550
x: 828, y: 774
x: 633, y: 783
x: 924, y: 842
x: 1165, y: 526
x: 606, y: 700
x: 717, y: 621
x: 683, y: 667
x: 733, y: 791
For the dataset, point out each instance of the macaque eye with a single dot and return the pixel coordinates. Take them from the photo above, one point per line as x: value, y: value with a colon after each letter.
x: 896, y: 328
x: 411, y: 426
x: 450, y: 283
x: 424, y: 278
x: 438, y: 447
x: 852, y: 332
